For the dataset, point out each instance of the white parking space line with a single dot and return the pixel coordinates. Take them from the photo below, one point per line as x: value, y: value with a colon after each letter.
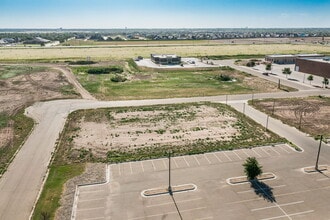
x: 244, y: 151
x: 283, y: 148
x: 94, y: 191
x: 90, y: 200
x: 274, y: 206
x: 237, y: 155
x: 142, y: 166
x: 176, y: 164
x: 96, y: 218
x: 323, y: 179
x: 119, y: 171
x: 207, y: 159
x: 168, y: 203
x: 272, y: 148
x: 153, y: 165
x: 265, y: 151
x: 164, y: 164
x: 130, y: 166
x: 197, y: 160
x: 252, y: 190
x: 206, y: 218
x: 186, y: 161
x: 227, y: 156
x: 90, y: 209
x: 217, y: 157
x: 289, y: 216
x: 254, y: 151
x: 168, y: 213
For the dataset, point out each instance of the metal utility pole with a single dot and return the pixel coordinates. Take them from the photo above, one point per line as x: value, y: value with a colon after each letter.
x: 169, y: 174
x: 267, y: 122
x: 279, y: 84
x: 273, y: 107
x: 318, y: 154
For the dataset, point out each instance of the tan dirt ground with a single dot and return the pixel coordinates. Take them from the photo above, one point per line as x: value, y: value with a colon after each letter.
x: 23, y: 90
x: 314, y: 113
x: 131, y: 130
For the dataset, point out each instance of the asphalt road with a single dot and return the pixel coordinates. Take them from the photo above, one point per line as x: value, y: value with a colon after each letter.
x: 20, y: 185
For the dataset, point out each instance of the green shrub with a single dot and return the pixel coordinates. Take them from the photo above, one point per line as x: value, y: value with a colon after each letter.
x: 105, y: 70
x: 118, y: 78
x: 224, y: 78
x: 251, y: 64
x: 81, y: 62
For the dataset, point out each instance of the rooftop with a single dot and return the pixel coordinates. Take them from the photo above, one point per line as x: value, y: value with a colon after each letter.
x: 165, y: 55
x: 322, y: 60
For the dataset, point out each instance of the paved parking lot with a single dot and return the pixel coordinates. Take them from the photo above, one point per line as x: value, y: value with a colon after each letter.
x: 292, y: 195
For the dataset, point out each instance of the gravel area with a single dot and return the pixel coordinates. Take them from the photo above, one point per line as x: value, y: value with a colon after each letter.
x: 94, y: 173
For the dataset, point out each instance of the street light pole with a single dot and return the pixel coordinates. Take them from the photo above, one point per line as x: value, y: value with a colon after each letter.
x: 318, y: 155
x: 169, y: 174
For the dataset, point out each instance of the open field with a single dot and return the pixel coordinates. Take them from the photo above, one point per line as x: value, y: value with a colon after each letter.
x: 21, y: 86
x: 125, y: 134
x: 310, y: 115
x: 124, y: 52
x: 155, y: 83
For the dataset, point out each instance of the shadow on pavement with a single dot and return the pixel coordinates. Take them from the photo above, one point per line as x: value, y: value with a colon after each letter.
x: 263, y: 190
x: 176, y: 206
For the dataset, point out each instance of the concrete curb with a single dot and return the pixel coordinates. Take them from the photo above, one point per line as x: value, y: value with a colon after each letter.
x: 312, y: 169
x: 244, y: 179
x: 164, y: 190
x: 76, y: 194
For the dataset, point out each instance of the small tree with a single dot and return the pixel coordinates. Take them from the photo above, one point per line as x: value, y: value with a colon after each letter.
x: 251, y: 63
x: 287, y: 71
x: 269, y: 66
x: 310, y: 79
x: 325, y: 82
x: 252, y: 168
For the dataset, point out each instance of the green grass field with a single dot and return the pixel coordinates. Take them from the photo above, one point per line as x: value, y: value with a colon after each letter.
x: 170, y: 83
x: 7, y: 72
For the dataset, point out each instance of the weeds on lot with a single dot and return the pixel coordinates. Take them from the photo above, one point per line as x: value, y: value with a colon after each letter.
x: 306, y: 114
x: 22, y: 126
x: 12, y: 71
x: 250, y: 133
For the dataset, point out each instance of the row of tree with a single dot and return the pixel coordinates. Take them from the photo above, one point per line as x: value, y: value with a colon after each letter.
x: 287, y: 71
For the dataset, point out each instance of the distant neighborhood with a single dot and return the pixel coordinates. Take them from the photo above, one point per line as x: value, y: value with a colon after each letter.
x: 44, y: 36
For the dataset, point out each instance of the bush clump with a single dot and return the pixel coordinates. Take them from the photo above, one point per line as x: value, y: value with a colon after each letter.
x: 118, y: 78
x: 224, y: 78
x: 105, y: 70
x: 251, y: 63
x: 81, y: 62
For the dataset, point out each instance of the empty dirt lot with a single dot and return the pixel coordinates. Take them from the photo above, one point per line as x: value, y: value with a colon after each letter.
x: 124, y: 134
x: 311, y: 115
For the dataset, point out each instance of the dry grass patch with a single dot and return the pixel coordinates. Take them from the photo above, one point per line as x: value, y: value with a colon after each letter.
x: 125, y: 52
x: 311, y: 115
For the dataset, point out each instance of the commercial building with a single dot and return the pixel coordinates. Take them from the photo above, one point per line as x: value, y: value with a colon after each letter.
x: 166, y: 59
x: 319, y: 67
x: 289, y: 58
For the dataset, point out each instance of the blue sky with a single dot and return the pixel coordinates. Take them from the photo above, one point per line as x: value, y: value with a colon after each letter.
x: 164, y: 13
